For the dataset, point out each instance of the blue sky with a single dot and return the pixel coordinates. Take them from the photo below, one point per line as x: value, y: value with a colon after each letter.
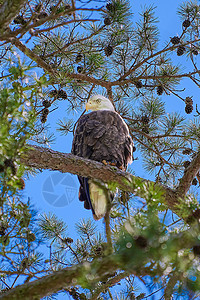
x: 38, y: 187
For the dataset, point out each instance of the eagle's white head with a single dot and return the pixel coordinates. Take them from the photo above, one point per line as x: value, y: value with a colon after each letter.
x: 99, y: 102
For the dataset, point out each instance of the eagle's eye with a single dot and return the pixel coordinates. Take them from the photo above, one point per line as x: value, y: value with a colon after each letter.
x: 98, y: 101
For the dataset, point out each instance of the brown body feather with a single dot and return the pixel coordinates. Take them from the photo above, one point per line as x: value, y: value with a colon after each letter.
x: 102, y: 135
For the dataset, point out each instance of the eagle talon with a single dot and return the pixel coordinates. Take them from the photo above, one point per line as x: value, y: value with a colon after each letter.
x: 104, y: 162
x: 112, y: 163
x: 121, y: 168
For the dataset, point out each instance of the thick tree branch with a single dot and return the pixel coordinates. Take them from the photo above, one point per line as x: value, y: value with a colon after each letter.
x: 8, y: 10
x: 86, y: 275
x: 191, y: 172
x: 43, y: 158
x: 63, y: 279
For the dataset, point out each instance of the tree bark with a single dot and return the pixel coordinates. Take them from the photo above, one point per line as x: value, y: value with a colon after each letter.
x: 63, y: 279
x: 8, y: 10
x: 43, y: 158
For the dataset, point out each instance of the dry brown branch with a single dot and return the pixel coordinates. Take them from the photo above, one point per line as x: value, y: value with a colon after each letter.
x: 42, y: 158
x: 40, y: 62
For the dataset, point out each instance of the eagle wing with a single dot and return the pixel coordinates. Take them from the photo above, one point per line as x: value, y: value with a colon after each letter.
x: 101, y: 136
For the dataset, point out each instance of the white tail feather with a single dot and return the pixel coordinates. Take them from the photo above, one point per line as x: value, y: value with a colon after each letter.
x: 98, y: 196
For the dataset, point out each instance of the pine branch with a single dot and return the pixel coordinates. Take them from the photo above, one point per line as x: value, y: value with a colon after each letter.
x: 8, y: 10
x: 178, y: 76
x: 24, y: 29
x: 46, y: 67
x: 40, y: 62
x: 66, y: 278
x: 38, y: 31
x: 76, y: 41
x: 133, y: 68
x: 42, y: 158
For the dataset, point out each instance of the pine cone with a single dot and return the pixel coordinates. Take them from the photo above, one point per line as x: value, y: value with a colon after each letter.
x: 107, y: 21
x: 160, y: 90
x: 109, y: 6
x: 196, y: 250
x: 68, y: 240
x: 194, y: 181
x: 45, y: 112
x: 98, y: 251
x: 195, y: 52
x: 108, y: 50
x: 175, y: 40
x: 141, y: 241
x: 43, y: 119
x: 2, y: 230
x: 62, y: 94
x: 186, y: 164
x: 53, y: 93
x: 79, y: 69
x: 42, y: 15
x: 186, y: 23
x: 187, y: 151
x: 145, y: 119
x: 38, y: 7
x: 188, y: 100
x: 138, y: 84
x: 79, y: 58
x: 24, y: 221
x: 9, y: 163
x: 145, y: 129
x: 24, y: 264
x: 180, y: 50
x: 188, y: 108
x: 30, y: 237
x: 46, y: 103
x: 19, y: 20
x: 67, y: 7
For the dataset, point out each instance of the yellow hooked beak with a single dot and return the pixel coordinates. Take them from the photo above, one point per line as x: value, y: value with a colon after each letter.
x: 87, y: 106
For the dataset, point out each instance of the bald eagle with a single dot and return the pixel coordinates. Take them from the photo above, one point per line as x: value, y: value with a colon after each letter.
x: 103, y: 136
